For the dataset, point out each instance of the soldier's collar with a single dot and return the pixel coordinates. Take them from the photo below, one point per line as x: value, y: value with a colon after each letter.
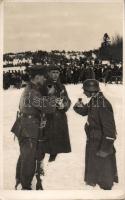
x: 97, y: 94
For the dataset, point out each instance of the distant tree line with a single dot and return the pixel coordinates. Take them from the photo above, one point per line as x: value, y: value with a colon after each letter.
x: 111, y: 49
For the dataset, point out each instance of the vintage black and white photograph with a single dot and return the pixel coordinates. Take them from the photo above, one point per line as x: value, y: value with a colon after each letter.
x: 63, y: 105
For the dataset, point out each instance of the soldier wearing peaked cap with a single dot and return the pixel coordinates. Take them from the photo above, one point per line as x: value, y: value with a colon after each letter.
x: 53, y: 67
x: 100, y: 160
x: 57, y: 126
x: 27, y: 126
x: 37, y: 69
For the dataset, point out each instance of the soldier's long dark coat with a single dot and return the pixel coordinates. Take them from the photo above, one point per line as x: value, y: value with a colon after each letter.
x: 101, y: 133
x: 56, y: 130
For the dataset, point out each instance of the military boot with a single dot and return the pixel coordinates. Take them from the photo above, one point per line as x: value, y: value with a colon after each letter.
x: 52, y: 157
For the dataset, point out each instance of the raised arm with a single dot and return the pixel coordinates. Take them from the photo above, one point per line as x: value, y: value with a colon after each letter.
x: 81, y: 109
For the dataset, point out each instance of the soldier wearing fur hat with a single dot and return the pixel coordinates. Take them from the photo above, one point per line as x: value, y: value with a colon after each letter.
x: 27, y: 127
x: 100, y: 160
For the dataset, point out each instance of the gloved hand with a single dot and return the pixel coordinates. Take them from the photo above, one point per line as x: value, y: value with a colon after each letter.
x: 79, y: 104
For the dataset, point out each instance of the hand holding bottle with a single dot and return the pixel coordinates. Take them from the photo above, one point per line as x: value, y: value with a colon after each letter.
x: 79, y: 103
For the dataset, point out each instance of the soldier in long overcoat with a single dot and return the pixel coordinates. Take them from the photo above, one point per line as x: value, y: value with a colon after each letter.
x: 100, y: 160
x: 56, y: 130
x: 27, y: 126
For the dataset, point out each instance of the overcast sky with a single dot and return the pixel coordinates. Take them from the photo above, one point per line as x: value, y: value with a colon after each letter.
x: 68, y: 26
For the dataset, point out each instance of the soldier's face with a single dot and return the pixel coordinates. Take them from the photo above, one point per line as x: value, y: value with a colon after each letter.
x: 54, y: 75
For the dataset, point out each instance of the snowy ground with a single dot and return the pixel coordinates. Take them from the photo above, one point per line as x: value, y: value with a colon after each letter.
x: 68, y: 170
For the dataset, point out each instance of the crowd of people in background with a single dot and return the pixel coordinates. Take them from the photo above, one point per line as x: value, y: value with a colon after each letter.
x: 15, y: 79
x: 75, y: 67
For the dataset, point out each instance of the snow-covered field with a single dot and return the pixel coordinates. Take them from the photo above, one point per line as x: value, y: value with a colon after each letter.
x: 67, y: 172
